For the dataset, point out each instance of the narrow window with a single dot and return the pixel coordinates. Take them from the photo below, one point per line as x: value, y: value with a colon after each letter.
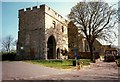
x: 62, y: 29
x: 53, y: 24
x: 94, y: 48
x: 87, y: 47
x: 55, y: 13
x: 49, y: 8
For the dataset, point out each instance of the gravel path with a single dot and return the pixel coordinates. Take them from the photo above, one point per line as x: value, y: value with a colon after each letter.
x: 22, y: 70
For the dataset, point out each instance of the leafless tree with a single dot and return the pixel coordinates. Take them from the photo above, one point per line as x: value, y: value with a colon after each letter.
x: 7, y: 43
x: 95, y: 20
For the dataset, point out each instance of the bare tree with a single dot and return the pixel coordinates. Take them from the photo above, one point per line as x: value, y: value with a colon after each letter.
x: 95, y: 20
x: 7, y: 43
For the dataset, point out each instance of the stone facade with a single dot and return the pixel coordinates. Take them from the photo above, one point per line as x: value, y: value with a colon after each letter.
x: 45, y: 34
x: 42, y: 33
x: 73, y: 39
x: 96, y: 46
x: 119, y: 28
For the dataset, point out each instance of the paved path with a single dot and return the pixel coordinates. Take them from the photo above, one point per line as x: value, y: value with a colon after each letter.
x: 98, y: 71
x: 21, y: 70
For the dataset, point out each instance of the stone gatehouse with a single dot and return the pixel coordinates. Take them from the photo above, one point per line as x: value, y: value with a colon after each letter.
x: 42, y: 33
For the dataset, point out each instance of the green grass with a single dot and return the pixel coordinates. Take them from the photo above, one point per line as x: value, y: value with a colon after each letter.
x: 117, y: 62
x: 62, y: 64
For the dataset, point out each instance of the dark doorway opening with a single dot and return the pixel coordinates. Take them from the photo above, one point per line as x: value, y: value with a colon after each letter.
x: 51, y: 45
x: 58, y: 53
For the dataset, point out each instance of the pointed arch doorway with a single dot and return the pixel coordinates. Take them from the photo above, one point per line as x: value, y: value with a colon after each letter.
x: 51, y: 45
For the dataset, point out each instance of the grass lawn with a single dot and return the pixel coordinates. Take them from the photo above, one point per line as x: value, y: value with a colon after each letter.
x: 62, y: 64
x: 118, y: 62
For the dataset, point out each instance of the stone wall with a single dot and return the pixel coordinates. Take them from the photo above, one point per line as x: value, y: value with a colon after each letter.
x: 36, y: 25
x: 31, y: 35
x: 119, y: 28
x: 73, y: 39
x: 96, y: 46
x: 53, y: 26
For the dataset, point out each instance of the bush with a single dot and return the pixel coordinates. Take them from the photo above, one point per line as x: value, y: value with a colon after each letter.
x: 18, y: 57
x: 117, y: 57
x: 8, y: 56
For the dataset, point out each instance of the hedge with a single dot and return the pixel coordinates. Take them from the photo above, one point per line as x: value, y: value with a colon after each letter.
x: 9, y: 56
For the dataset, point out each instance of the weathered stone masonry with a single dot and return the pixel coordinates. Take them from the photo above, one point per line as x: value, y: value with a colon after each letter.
x: 42, y: 33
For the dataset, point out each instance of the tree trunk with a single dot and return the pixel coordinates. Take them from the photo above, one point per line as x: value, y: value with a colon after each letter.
x: 91, y: 53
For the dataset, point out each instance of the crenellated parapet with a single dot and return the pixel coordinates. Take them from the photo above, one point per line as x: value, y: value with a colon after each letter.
x: 55, y: 15
x: 47, y: 10
x: 32, y: 8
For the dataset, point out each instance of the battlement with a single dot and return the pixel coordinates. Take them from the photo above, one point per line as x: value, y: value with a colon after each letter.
x: 53, y: 13
x: 48, y: 9
x: 32, y: 8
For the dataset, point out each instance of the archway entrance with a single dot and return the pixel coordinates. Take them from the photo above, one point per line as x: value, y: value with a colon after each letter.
x: 51, y: 45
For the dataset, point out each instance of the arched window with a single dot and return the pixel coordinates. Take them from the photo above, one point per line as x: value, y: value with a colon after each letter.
x: 87, y: 47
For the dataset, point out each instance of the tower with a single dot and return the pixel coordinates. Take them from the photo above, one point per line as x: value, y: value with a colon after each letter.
x: 42, y: 33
